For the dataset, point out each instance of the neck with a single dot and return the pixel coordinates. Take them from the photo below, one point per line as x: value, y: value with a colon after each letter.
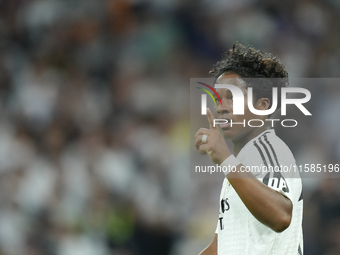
x: 239, y: 144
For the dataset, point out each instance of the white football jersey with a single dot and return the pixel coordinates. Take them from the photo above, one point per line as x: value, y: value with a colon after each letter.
x: 239, y: 232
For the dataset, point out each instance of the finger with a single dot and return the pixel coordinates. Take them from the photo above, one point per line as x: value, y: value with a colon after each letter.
x: 211, y: 119
x: 198, y: 141
x: 204, y: 148
x: 202, y: 131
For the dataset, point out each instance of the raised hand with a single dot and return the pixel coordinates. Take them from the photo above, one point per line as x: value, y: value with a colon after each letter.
x: 214, y: 146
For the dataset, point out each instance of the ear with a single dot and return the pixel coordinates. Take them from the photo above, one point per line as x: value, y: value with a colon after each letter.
x: 262, y: 104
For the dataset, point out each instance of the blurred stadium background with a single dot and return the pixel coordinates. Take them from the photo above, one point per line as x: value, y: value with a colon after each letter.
x: 94, y: 120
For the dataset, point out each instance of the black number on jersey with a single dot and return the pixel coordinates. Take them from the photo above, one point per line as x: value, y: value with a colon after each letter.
x: 276, y: 180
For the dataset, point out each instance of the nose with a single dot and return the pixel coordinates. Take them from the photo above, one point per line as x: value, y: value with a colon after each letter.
x: 225, y: 108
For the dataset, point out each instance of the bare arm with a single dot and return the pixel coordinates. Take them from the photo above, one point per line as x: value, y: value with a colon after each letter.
x: 267, y: 205
x: 211, y: 249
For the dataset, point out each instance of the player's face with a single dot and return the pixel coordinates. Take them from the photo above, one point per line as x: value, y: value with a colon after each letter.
x: 225, y: 111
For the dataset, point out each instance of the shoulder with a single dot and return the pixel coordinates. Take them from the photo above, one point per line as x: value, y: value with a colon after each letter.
x: 267, y: 149
x: 279, y: 148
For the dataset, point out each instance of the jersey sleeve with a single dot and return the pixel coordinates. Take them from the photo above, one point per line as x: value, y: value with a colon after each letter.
x: 277, y: 164
x: 279, y: 182
x: 285, y: 178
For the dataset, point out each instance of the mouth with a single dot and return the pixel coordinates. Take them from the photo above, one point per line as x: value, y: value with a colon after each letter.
x: 225, y: 125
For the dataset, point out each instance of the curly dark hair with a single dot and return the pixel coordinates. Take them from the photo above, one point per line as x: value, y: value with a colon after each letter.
x: 247, y: 62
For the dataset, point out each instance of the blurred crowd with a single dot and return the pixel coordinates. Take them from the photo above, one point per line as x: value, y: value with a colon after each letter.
x: 94, y: 120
